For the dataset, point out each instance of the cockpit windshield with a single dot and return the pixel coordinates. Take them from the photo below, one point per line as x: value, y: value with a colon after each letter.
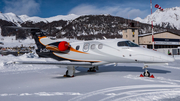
x: 127, y: 43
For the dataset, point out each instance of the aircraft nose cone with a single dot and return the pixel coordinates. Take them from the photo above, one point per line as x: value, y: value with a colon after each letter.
x: 167, y: 58
x: 159, y: 57
x: 171, y: 59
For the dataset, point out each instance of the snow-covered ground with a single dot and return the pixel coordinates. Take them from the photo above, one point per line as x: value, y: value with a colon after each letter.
x: 109, y: 83
x: 12, y: 39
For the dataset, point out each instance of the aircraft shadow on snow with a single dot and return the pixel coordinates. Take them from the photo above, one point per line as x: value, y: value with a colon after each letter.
x: 111, y: 68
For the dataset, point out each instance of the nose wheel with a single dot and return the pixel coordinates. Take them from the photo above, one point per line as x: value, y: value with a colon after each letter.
x: 146, y: 73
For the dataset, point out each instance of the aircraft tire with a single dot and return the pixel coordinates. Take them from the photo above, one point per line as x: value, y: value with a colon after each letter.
x: 146, y: 75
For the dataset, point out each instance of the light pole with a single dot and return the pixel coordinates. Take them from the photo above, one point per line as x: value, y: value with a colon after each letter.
x: 152, y: 26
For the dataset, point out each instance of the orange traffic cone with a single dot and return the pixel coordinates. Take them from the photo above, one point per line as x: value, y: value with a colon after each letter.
x: 141, y: 75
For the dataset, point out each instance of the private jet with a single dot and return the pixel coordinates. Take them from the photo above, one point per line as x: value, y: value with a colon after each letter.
x: 91, y: 54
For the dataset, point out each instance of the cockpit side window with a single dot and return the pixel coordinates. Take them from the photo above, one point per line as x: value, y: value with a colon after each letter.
x: 131, y: 44
x: 121, y: 44
x: 127, y: 43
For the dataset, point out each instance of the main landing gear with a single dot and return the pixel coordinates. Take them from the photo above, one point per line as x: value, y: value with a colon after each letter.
x: 146, y: 73
x: 93, y: 69
x: 70, y: 71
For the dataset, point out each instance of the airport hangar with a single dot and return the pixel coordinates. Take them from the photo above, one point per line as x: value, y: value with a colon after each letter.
x: 167, y: 40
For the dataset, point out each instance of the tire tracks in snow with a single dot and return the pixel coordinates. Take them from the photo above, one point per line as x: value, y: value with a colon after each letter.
x: 41, y: 94
x: 127, y: 92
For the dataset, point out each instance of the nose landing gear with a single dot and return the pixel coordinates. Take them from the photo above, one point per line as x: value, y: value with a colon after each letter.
x: 93, y: 69
x: 146, y: 73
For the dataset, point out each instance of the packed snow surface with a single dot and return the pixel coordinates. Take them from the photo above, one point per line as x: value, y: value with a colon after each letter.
x: 109, y: 83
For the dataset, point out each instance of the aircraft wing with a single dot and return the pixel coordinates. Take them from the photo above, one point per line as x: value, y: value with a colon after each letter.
x: 51, y: 63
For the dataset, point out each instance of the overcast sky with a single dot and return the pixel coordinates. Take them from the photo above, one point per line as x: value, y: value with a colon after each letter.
x: 49, y: 8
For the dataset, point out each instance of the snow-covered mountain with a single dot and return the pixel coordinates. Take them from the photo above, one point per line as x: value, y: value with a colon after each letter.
x: 88, y: 26
x: 11, y: 17
x: 168, y: 17
x: 35, y: 19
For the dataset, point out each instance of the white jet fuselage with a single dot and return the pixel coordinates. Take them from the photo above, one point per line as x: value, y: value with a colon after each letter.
x: 110, y: 51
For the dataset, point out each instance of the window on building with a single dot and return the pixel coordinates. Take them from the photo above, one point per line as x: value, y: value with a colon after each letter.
x: 132, y: 35
x: 126, y: 36
x: 133, y: 30
x: 133, y: 40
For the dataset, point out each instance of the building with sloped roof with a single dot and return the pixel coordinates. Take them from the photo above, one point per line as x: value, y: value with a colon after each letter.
x: 166, y: 39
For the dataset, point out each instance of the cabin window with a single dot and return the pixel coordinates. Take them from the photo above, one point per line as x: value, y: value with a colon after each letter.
x: 86, y: 47
x: 77, y: 47
x: 93, y: 46
x: 100, y: 46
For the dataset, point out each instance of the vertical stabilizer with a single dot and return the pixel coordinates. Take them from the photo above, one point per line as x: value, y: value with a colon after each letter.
x: 37, y: 33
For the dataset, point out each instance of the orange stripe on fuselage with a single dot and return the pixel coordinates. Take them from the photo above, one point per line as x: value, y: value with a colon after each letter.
x: 52, y: 48
x: 74, y: 59
x: 41, y: 38
x: 74, y: 50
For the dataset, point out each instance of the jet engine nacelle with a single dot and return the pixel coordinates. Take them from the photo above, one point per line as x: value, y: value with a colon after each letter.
x: 62, y: 46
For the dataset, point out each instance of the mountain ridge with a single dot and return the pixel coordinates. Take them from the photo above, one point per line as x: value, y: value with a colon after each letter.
x: 74, y: 26
x: 11, y: 17
x: 169, y: 16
